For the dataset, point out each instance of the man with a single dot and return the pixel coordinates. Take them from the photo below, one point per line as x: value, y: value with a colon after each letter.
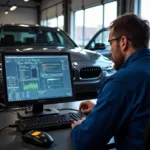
x: 123, y: 106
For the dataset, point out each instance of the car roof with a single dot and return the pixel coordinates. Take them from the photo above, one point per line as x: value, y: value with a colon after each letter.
x: 27, y: 25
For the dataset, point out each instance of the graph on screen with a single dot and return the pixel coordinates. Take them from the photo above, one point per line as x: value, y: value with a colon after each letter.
x: 30, y: 86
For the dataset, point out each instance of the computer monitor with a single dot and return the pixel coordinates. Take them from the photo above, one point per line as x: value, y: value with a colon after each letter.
x: 37, y: 78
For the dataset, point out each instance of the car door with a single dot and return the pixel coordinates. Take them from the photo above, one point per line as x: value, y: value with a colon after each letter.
x: 99, y: 42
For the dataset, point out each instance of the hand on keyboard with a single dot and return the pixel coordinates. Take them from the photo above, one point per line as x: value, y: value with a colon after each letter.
x: 86, y: 107
x: 49, y: 122
x: 77, y: 122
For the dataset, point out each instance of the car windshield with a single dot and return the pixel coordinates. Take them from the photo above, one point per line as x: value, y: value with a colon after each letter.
x: 35, y: 36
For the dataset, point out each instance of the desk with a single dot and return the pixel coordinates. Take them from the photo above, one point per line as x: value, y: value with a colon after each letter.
x: 10, y: 138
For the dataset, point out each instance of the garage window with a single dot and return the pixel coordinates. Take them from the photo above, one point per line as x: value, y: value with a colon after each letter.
x: 79, y: 27
x: 110, y: 13
x: 52, y: 22
x: 145, y: 11
x: 89, y: 21
x: 43, y: 22
x: 93, y: 22
x: 61, y: 22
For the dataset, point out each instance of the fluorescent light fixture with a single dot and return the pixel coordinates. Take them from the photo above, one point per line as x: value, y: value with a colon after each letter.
x: 13, y: 7
x: 26, y: 0
x: 6, y: 12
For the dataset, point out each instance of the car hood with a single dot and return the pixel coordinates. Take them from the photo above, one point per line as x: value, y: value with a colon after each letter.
x: 77, y: 54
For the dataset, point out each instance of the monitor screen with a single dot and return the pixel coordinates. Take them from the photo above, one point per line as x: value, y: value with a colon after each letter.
x: 37, y: 77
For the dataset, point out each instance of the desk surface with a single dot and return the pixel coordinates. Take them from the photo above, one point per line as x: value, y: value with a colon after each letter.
x: 11, y: 138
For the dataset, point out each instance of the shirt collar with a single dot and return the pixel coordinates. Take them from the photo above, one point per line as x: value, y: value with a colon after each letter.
x: 136, y: 55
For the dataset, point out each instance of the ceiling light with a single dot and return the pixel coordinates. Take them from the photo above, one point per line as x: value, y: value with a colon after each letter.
x: 13, y: 7
x: 26, y: 0
x: 6, y: 12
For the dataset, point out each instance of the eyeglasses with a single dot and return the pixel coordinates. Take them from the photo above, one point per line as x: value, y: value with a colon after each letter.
x: 109, y: 46
x: 110, y: 41
x: 114, y: 39
x: 118, y: 39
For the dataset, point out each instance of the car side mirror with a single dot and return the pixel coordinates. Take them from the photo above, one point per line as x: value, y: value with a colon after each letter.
x: 99, y: 46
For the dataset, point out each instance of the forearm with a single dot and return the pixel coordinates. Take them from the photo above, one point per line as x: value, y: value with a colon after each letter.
x: 89, y: 135
x: 104, y: 121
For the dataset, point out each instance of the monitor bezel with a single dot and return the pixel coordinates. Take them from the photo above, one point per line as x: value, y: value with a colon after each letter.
x: 39, y: 101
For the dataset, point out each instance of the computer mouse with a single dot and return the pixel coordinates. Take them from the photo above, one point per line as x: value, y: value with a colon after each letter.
x: 38, y: 138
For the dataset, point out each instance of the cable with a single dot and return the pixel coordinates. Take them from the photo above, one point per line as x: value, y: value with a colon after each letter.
x: 9, y: 126
x: 3, y: 128
x: 14, y: 108
x: 2, y: 105
x: 4, y: 109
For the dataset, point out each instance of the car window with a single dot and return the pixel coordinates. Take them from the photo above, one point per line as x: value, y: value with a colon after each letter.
x: 50, y: 37
x: 60, y: 38
x: 35, y: 36
x: 63, y: 41
x: 17, y: 36
x: 100, y: 39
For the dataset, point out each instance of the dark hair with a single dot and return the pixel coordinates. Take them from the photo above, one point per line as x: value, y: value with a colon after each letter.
x: 134, y: 28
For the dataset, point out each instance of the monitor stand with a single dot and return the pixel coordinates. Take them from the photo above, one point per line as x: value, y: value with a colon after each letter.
x: 37, y: 111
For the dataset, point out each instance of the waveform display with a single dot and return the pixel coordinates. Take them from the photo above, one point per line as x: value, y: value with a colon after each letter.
x: 30, y: 86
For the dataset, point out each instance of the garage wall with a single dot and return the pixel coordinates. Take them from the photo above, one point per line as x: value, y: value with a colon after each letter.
x: 51, y: 9
x: 20, y: 15
x: 49, y: 3
x: 79, y: 4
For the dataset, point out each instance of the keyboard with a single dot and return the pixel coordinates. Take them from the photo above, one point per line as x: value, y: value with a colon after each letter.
x: 51, y: 122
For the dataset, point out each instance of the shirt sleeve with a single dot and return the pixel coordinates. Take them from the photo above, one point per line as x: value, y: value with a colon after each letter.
x: 104, y: 120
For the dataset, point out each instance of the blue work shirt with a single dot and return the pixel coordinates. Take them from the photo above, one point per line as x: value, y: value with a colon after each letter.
x: 122, y: 109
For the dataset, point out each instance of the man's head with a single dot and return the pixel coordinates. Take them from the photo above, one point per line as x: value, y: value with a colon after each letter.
x: 128, y: 33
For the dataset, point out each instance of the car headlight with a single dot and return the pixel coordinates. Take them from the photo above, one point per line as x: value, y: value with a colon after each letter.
x: 108, y: 68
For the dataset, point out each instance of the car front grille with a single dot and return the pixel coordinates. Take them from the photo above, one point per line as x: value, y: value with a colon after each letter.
x: 90, y: 72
